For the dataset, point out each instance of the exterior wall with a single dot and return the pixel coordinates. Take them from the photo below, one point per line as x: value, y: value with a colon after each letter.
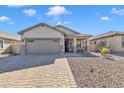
x: 68, y: 32
x: 75, y: 45
x: 78, y: 44
x: 117, y: 44
x: 62, y: 45
x: 88, y: 44
x: 16, y: 47
x: 93, y: 46
x: 9, y: 46
x: 6, y: 46
x: 42, y: 32
x: 114, y: 42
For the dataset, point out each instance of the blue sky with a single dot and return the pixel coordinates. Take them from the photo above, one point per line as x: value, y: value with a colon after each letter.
x: 85, y: 19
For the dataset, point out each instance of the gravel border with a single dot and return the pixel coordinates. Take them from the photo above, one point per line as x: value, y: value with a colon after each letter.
x: 97, y: 72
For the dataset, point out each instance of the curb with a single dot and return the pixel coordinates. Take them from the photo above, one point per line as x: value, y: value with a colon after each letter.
x: 70, y: 75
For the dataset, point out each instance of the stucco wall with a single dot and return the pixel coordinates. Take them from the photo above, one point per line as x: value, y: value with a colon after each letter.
x: 43, y: 32
x: 9, y: 46
x: 115, y: 43
x: 16, y: 47
x: 68, y: 32
x: 6, y: 46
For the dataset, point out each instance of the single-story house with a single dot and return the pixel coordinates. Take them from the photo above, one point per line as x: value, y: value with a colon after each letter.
x: 45, y: 39
x: 8, y: 43
x: 113, y: 39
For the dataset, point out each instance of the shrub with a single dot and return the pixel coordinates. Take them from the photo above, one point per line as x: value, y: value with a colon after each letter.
x: 101, y: 45
x: 104, y: 50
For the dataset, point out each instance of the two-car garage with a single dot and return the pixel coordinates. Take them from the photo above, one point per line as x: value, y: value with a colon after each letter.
x: 42, y: 39
x: 43, y: 46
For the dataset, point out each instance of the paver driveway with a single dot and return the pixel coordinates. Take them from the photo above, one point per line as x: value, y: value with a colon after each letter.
x: 36, y: 71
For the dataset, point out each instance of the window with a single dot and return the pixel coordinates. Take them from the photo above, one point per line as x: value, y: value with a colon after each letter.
x: 70, y: 44
x: 122, y: 41
x: 13, y: 43
x: 1, y: 43
x: 30, y: 40
x: 92, y: 42
x: 78, y: 43
x: 56, y: 40
x: 23, y: 40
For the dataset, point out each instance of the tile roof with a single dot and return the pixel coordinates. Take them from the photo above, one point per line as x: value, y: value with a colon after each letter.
x: 80, y: 35
x: 110, y: 33
x: 5, y: 35
x: 67, y: 29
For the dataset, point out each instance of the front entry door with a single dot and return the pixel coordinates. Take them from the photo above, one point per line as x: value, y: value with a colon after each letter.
x: 68, y: 45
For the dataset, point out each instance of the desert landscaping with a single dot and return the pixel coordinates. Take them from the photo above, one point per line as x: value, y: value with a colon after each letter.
x: 97, y: 71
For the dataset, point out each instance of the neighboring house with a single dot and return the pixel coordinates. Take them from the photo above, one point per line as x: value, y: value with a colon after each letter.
x: 114, y: 40
x: 8, y: 43
x: 45, y: 39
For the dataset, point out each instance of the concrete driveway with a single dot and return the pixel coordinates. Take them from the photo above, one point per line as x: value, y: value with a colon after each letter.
x: 22, y: 62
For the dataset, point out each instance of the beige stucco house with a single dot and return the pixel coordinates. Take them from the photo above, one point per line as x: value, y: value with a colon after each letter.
x: 9, y: 43
x: 114, y: 40
x: 45, y: 39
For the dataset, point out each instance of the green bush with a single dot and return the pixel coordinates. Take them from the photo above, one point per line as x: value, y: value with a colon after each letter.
x: 104, y: 51
x: 101, y: 45
x: 103, y: 48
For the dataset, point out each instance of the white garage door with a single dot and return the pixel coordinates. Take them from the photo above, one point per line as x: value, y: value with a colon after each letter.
x: 42, y: 46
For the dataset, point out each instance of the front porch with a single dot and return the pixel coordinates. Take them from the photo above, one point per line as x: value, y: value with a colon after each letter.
x: 76, y: 44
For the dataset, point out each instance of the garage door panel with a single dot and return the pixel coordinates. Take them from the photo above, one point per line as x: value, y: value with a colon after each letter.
x: 43, y: 47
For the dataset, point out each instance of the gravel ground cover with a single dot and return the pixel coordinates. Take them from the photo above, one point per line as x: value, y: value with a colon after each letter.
x: 93, y: 72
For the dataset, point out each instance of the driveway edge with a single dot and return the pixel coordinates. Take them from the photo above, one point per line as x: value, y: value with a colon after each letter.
x: 70, y: 75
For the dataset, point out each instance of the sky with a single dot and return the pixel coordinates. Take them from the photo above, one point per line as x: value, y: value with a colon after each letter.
x: 91, y: 20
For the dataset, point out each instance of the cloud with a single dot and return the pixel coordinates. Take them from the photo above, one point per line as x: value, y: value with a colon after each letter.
x: 57, y: 11
x: 4, y: 19
x: 15, y: 6
x: 30, y: 12
x: 105, y: 18
x: 59, y: 23
x: 64, y: 22
x: 117, y: 11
